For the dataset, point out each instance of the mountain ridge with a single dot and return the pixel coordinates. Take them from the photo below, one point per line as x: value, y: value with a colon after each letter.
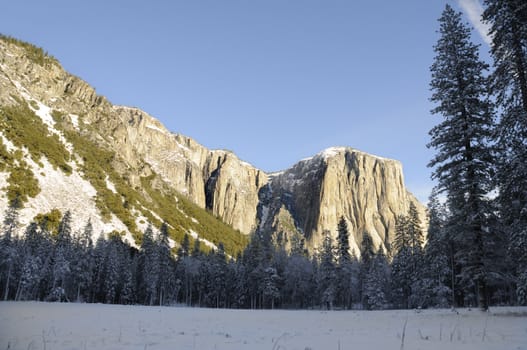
x: 243, y: 196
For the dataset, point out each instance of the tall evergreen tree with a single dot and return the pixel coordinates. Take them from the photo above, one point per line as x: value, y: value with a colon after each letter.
x: 508, y: 30
x: 83, y: 262
x: 128, y: 290
x: 184, y: 249
x: 345, y: 267
x: 196, y: 249
x: 376, y: 284
x: 7, y: 247
x: 416, y: 240
x: 402, y: 277
x: 415, y: 232
x: 464, y: 160
x: 298, y: 284
x: 62, y: 260
x: 113, y: 269
x: 64, y: 233
x: 366, y: 257
x: 150, y: 266
x: 367, y: 252
x: 166, y: 274
x: 99, y: 270
x: 298, y: 245
x: 327, y: 273
x: 30, y: 265
x: 255, y: 262
x: 438, y: 271
x: 343, y: 244
x: 401, y: 239
x: 217, y: 281
x: 43, y: 248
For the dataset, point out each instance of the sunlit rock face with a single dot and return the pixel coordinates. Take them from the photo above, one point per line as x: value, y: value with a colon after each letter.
x: 367, y: 190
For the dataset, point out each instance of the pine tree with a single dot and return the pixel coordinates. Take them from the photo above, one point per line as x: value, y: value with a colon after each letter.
x: 402, y: 238
x: 415, y: 232
x: 202, y: 279
x: 366, y: 250
x: 270, y: 285
x: 62, y: 260
x: 61, y: 271
x: 127, y: 292
x: 327, y: 272
x: 29, y: 277
x: 344, y: 265
x: 85, y: 239
x: 184, y: 249
x: 508, y: 29
x: 343, y: 242
x: 196, y: 250
x: 83, y: 262
x: 64, y: 234
x: 42, y: 245
x: 376, y: 290
x: 366, y: 257
x: 255, y: 262
x: 298, y: 245
x: 217, y: 274
x: 437, y: 268
x: 188, y: 270
x: 112, y: 266
x: 241, y: 296
x: 407, y: 260
x: 31, y: 264
x: 7, y: 247
x: 402, y: 277
x: 464, y: 161
x: 298, y: 278
x: 165, y: 264
x: 150, y: 266
x: 518, y: 249
x: 99, y: 270
x: 417, y: 296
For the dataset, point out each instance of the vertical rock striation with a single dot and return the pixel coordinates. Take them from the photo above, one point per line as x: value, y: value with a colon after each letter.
x: 367, y: 190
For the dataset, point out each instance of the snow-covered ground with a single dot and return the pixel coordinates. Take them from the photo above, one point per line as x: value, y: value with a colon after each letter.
x: 33, y: 325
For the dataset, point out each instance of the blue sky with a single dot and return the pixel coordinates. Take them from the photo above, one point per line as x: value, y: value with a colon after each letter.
x: 274, y: 81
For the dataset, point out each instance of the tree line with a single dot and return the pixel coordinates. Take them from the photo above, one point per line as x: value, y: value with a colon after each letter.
x: 57, y: 264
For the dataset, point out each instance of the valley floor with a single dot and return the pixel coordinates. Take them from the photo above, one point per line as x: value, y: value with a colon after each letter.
x: 35, y: 325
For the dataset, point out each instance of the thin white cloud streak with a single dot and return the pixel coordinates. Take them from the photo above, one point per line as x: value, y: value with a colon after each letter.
x: 473, y: 9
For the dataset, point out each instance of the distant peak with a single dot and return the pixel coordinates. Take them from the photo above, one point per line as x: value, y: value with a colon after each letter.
x: 332, y: 151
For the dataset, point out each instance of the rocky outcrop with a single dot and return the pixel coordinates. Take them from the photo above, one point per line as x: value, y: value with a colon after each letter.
x: 232, y: 190
x: 367, y: 190
x: 213, y: 179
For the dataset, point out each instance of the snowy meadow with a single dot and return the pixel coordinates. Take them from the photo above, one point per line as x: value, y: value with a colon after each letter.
x: 37, y: 325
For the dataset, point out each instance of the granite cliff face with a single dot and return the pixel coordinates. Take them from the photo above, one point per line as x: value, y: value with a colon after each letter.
x: 306, y: 199
x: 213, y: 179
x: 367, y: 190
